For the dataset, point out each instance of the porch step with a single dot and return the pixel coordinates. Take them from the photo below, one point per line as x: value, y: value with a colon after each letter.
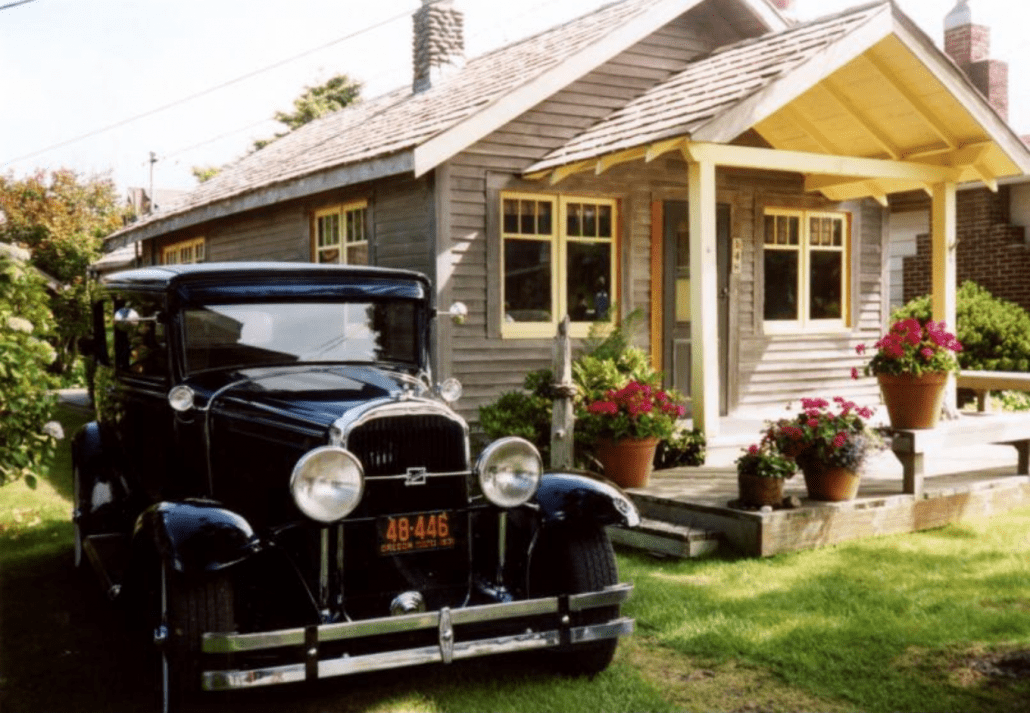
x: 666, y: 538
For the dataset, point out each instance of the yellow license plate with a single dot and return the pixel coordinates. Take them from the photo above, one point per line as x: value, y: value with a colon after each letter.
x: 419, y: 532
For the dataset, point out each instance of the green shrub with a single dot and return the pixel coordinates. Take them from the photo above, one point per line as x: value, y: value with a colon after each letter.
x: 995, y: 333
x: 27, y: 434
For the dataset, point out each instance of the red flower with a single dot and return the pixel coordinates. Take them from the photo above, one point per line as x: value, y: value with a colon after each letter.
x: 860, y: 349
x: 854, y: 372
x: 840, y: 439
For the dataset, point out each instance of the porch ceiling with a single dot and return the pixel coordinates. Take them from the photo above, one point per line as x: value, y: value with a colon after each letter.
x: 868, y: 88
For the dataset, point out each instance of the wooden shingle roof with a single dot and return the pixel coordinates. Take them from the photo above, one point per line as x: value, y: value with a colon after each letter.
x: 708, y: 86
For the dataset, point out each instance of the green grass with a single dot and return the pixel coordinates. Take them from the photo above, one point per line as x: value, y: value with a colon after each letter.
x: 888, y: 624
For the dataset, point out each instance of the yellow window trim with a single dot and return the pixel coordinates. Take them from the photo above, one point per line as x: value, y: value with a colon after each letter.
x: 559, y: 243
x: 184, y: 252
x: 340, y: 210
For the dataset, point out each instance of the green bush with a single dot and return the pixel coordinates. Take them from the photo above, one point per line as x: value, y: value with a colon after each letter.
x: 995, y: 333
x: 27, y: 434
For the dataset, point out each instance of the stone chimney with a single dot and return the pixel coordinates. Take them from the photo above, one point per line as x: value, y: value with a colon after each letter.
x: 969, y: 45
x: 439, y: 43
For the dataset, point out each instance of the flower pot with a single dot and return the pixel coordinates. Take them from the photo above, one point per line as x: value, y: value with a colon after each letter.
x: 628, y: 461
x: 830, y: 483
x: 757, y: 491
x: 913, y: 401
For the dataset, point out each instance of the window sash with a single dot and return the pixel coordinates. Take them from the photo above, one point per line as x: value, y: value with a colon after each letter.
x: 806, y: 270
x: 341, y: 234
x: 559, y: 253
x: 185, y: 252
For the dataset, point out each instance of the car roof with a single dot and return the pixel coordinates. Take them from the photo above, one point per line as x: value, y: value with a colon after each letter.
x: 163, y: 276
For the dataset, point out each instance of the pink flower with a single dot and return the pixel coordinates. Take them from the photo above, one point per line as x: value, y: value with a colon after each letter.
x: 927, y: 352
x: 840, y: 439
x: 813, y: 423
x: 854, y: 372
x: 753, y: 449
x: 860, y: 349
x: 603, y: 407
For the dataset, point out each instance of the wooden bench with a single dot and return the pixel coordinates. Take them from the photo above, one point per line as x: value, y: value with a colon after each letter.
x: 983, y: 382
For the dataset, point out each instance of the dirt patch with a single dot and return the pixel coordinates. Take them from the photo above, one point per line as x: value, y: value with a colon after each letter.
x: 690, y: 684
x: 1014, y: 665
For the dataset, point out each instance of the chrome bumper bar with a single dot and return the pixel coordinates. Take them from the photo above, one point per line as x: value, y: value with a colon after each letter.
x: 446, y: 650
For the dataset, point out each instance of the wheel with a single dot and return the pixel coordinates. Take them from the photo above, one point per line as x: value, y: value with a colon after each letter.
x: 571, y: 559
x: 182, y: 610
x: 77, y: 517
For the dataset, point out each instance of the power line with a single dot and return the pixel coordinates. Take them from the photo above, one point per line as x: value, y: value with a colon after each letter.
x: 15, y: 4
x: 207, y: 91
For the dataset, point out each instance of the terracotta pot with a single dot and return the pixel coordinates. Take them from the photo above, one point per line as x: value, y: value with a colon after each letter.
x: 627, y: 462
x: 832, y: 484
x: 757, y: 491
x: 913, y: 401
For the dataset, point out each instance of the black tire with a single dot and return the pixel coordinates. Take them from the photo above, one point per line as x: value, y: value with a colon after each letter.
x: 78, y: 522
x: 571, y: 559
x: 183, y: 609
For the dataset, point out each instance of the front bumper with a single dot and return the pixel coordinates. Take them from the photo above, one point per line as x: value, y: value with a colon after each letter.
x: 306, y: 641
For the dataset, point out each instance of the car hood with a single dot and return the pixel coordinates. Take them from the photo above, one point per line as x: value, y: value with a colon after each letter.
x: 311, y: 397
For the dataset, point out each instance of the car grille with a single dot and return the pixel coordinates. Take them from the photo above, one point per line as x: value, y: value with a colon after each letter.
x: 392, y: 445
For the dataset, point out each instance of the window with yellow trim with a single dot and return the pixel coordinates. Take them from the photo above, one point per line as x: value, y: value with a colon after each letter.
x: 341, y: 234
x: 183, y: 253
x: 805, y: 264
x: 557, y: 257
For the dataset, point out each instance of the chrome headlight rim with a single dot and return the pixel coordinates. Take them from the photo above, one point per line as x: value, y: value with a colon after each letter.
x: 509, y: 471
x: 317, y: 480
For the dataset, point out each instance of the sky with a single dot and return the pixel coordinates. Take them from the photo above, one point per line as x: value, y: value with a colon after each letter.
x: 99, y: 85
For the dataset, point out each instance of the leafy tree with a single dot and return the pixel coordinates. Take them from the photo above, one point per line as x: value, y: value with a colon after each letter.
x: 62, y: 218
x: 26, y: 401
x: 315, y: 102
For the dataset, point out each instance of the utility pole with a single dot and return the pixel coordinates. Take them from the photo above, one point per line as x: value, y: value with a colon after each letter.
x: 150, y: 198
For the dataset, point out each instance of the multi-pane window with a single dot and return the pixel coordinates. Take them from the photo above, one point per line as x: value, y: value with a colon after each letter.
x: 558, y: 257
x: 805, y: 263
x: 183, y: 253
x: 341, y: 234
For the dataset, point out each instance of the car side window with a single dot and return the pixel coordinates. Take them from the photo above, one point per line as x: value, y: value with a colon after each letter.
x: 141, y: 346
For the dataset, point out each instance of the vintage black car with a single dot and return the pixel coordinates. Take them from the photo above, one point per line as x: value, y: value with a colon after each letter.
x: 279, y: 493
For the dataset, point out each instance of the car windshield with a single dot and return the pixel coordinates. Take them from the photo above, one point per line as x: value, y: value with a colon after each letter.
x: 249, y: 335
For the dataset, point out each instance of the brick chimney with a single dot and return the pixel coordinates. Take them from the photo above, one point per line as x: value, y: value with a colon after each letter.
x: 439, y: 43
x: 969, y: 45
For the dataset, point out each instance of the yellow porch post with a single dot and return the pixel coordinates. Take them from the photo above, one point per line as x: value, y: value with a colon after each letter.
x: 943, y: 239
x: 704, y: 310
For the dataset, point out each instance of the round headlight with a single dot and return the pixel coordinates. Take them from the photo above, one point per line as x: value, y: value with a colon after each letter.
x: 180, y: 398
x: 450, y: 390
x: 509, y: 471
x: 327, y: 483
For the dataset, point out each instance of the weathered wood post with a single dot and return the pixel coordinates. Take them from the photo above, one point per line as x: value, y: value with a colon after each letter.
x: 563, y: 418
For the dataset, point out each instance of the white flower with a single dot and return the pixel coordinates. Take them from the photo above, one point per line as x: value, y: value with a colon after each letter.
x: 53, y: 429
x: 19, y: 324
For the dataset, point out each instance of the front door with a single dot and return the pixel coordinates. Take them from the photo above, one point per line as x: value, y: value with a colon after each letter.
x: 676, y: 290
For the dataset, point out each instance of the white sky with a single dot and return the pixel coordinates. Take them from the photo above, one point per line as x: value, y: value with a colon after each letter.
x: 70, y: 68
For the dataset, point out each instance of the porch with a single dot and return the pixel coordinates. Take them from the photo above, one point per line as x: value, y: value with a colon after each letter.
x: 686, y: 510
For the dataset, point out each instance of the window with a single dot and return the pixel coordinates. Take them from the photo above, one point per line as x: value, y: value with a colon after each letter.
x: 141, y: 347
x: 805, y: 263
x: 183, y: 253
x: 341, y: 234
x: 558, y: 257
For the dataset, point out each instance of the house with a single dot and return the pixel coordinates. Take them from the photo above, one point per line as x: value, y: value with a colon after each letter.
x: 705, y: 161
x: 992, y: 220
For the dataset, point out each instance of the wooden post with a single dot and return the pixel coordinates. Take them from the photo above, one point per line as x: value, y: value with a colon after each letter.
x: 704, y: 301
x: 943, y: 240
x: 563, y: 419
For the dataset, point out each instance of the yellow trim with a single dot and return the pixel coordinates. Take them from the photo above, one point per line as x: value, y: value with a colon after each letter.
x: 803, y: 249
x: 559, y: 243
x: 184, y: 252
x: 344, y: 239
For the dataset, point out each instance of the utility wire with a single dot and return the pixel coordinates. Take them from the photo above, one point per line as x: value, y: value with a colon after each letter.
x: 15, y: 4
x: 207, y: 91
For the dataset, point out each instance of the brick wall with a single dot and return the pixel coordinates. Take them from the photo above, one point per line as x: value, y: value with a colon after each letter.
x: 991, y: 252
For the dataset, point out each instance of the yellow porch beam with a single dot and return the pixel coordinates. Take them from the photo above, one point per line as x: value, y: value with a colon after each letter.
x: 613, y: 159
x: 803, y: 162
x: 870, y: 128
x: 562, y: 172
x: 662, y: 147
x: 809, y: 127
x: 944, y: 272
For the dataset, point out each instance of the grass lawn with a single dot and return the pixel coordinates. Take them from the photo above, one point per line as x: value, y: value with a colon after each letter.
x: 926, y: 622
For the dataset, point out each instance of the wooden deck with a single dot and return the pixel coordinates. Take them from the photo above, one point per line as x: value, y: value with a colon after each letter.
x: 687, y: 510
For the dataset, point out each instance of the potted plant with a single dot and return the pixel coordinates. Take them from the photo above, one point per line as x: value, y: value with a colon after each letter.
x: 829, y: 444
x: 627, y: 424
x: 911, y: 364
x: 761, y: 472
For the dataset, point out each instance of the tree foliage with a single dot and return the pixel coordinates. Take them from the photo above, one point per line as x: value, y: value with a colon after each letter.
x: 61, y: 217
x: 26, y: 402
x: 314, y: 103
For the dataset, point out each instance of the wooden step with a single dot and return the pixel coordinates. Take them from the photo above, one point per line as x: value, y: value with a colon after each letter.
x: 666, y: 538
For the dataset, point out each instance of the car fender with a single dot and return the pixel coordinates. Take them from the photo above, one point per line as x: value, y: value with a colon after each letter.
x: 196, y: 536
x: 581, y: 495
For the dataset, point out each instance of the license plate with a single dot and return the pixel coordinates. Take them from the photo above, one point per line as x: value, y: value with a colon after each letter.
x: 419, y: 532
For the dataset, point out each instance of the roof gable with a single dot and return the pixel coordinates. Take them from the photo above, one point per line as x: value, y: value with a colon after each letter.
x: 405, y: 132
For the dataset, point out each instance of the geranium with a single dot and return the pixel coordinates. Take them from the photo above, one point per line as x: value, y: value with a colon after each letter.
x: 836, y: 435
x: 911, y: 347
x: 765, y: 461
x: 637, y: 410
